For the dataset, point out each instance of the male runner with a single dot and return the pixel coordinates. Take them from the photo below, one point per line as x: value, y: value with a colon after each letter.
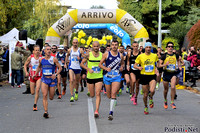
x: 32, y: 62
x: 94, y: 74
x: 125, y: 73
x: 61, y: 55
x: 49, y: 81
x: 148, y: 71
x: 134, y: 73
x: 168, y: 61
x: 160, y: 54
x: 74, y: 68
x: 114, y: 63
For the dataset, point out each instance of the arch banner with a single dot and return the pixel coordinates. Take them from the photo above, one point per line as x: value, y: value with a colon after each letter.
x: 118, y: 16
x: 112, y: 27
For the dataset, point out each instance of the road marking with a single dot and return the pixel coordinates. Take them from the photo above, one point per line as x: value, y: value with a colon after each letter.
x: 92, y: 122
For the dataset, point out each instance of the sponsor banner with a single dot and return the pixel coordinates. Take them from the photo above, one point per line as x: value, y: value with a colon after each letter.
x: 182, y: 76
x: 96, y: 16
x: 51, y: 40
x: 130, y: 24
x: 90, y: 26
x: 116, y: 30
x: 64, y: 24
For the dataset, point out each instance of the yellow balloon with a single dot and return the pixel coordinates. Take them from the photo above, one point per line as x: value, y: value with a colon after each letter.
x: 83, y: 41
x: 103, y: 38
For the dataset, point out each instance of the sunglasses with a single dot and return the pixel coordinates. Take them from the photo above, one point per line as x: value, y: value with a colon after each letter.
x: 53, y: 48
x: 75, y: 42
x: 170, y: 46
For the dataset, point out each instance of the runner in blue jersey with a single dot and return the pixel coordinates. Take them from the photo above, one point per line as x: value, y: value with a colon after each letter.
x: 49, y: 81
x: 114, y: 65
x: 74, y: 68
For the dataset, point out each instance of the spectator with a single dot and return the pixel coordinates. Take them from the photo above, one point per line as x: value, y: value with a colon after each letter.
x: 187, y: 66
x: 16, y: 65
x: 195, y: 62
x: 184, y: 53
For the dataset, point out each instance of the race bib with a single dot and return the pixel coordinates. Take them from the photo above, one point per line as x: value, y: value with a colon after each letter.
x: 171, y: 67
x: 34, y: 68
x: 133, y: 67
x: 75, y: 59
x: 47, y: 71
x: 113, y: 73
x: 96, y: 69
x: 149, y: 68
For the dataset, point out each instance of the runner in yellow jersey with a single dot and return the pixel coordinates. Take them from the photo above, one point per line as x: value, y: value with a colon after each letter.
x: 148, y: 62
x: 94, y: 74
x: 169, y: 61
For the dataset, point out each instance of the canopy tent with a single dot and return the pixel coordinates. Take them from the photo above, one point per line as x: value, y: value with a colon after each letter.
x: 11, y: 35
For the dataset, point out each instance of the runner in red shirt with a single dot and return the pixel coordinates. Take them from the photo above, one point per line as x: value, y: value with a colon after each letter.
x: 32, y: 62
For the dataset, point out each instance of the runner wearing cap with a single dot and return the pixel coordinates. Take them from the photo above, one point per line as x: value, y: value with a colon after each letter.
x: 148, y: 70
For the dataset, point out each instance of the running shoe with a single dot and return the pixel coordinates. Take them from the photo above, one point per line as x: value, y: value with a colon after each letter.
x: 13, y: 86
x: 120, y: 91
x: 60, y: 96
x: 76, y: 97
x: 96, y: 114
x: 135, y: 101
x: 82, y: 89
x: 88, y: 93
x: 63, y: 92
x: 165, y: 105
x: 157, y: 86
x: 141, y: 92
x: 19, y: 86
x: 46, y: 115
x: 34, y: 107
x: 146, y: 111
x: 104, y: 91
x: 132, y: 98
x: 173, y: 106
x: 151, y: 103
x: 127, y: 90
x: 110, y: 117
x: 72, y: 99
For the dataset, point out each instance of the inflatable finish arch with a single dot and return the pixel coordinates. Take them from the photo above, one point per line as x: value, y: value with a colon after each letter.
x: 112, y: 27
x: 118, y: 16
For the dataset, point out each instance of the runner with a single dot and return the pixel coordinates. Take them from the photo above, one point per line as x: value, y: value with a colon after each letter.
x: 94, y: 74
x: 168, y: 61
x: 83, y: 73
x: 125, y: 73
x: 32, y: 62
x: 148, y: 71
x: 134, y: 73
x: 160, y: 54
x: 114, y: 64
x: 48, y: 65
x: 74, y: 68
x: 61, y: 55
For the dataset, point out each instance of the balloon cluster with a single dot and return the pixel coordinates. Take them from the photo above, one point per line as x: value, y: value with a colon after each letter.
x: 102, y: 41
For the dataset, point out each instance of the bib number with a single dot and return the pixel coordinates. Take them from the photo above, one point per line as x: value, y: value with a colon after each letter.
x: 113, y: 73
x: 75, y: 59
x: 149, y: 68
x: 133, y: 67
x: 96, y: 69
x: 171, y: 67
x: 34, y: 68
x: 47, y: 71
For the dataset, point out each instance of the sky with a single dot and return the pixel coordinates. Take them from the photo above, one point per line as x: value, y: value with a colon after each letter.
x: 86, y: 4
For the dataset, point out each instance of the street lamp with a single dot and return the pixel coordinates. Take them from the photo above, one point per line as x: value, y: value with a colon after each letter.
x: 159, y: 23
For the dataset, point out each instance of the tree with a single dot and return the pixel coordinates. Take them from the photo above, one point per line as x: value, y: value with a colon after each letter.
x: 13, y: 13
x: 194, y: 35
x: 146, y: 12
x: 46, y: 13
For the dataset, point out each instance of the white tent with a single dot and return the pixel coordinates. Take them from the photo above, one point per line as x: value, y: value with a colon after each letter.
x: 11, y: 35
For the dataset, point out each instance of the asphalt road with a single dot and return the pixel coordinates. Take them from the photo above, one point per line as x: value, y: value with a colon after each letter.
x: 16, y: 115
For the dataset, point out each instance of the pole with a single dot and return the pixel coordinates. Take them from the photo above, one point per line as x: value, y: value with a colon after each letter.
x: 159, y: 23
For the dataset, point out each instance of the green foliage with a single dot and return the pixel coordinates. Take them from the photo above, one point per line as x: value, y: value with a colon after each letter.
x: 13, y: 13
x: 193, y: 16
x: 170, y: 39
x: 194, y: 35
